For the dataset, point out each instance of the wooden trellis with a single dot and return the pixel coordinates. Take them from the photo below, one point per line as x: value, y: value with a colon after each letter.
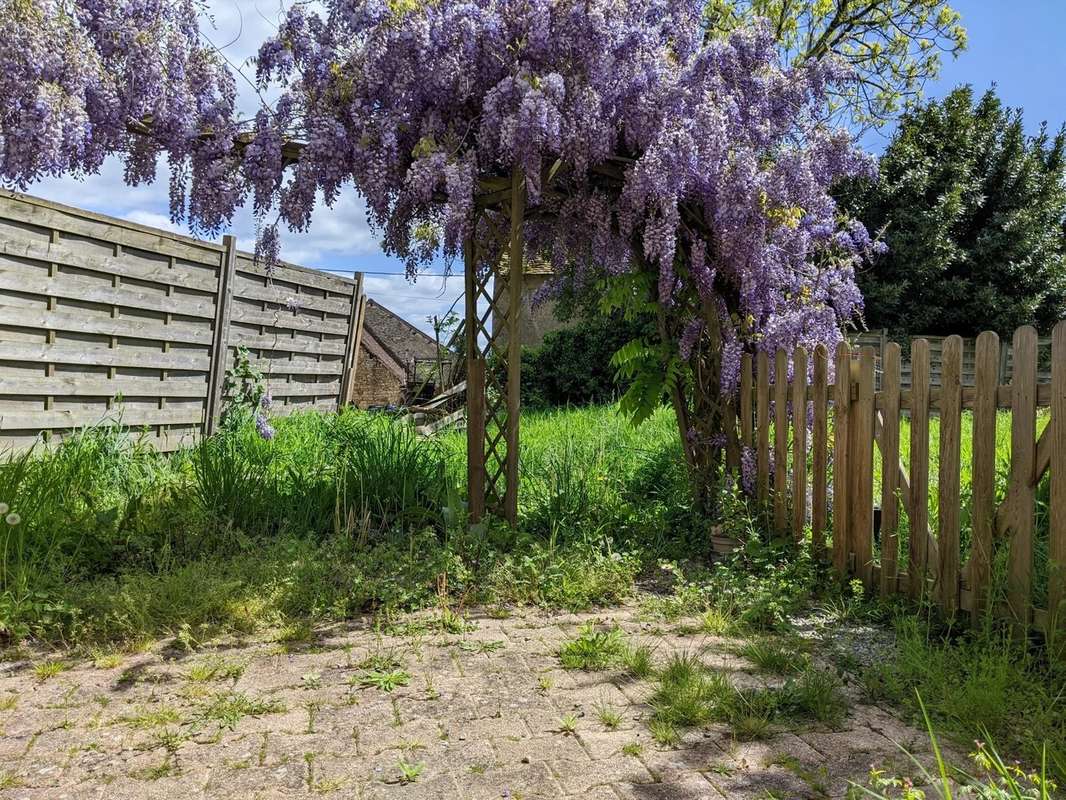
x: 493, y: 357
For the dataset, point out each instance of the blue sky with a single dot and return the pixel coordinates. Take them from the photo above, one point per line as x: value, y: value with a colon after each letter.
x: 1018, y: 45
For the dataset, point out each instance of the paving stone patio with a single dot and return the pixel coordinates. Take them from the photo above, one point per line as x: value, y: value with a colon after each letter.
x: 482, y: 716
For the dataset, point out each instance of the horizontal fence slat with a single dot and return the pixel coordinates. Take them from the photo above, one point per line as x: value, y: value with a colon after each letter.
x: 291, y: 273
x: 108, y: 265
x: 272, y: 294
x: 101, y: 356
x: 127, y: 327
x: 285, y: 367
x: 80, y: 386
x: 38, y: 420
x: 302, y: 389
x: 286, y: 319
x: 284, y: 344
x: 54, y: 216
x: 90, y: 292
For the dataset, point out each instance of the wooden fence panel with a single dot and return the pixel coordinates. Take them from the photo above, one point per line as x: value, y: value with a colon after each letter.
x: 866, y: 404
x: 103, y: 320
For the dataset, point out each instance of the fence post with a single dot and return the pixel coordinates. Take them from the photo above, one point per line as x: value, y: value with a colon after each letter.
x: 841, y: 454
x: 220, y: 334
x: 352, y: 343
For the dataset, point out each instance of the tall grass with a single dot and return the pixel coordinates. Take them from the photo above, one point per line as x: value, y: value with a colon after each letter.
x: 335, y: 514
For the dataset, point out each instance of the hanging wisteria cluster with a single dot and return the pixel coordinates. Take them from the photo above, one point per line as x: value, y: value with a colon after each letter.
x: 83, y: 80
x: 641, y: 142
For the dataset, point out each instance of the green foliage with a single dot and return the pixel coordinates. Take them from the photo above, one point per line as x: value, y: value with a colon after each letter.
x: 384, y: 681
x: 894, y: 46
x: 593, y: 649
x: 973, y: 212
x: 652, y: 371
x: 572, y: 366
x: 689, y: 694
x: 774, y: 655
x: 336, y: 515
x: 997, y: 779
x: 244, y: 388
x: 981, y: 684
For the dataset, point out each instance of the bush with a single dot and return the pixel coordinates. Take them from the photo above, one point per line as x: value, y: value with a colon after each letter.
x: 573, y: 365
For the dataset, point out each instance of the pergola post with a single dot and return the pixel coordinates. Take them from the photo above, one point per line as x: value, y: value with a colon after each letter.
x: 515, y: 272
x: 494, y: 364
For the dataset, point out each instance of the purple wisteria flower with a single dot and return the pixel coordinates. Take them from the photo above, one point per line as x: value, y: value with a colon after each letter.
x: 263, y: 426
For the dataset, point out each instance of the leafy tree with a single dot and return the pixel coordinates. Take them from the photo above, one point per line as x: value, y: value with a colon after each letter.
x: 973, y: 213
x: 894, y: 46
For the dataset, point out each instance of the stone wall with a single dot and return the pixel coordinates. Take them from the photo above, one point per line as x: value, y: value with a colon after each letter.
x: 374, y: 383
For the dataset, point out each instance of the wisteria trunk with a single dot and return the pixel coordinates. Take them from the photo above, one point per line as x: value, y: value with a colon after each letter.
x: 700, y: 410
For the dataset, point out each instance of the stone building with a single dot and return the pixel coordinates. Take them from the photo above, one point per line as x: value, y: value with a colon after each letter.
x: 395, y: 360
x: 534, y: 322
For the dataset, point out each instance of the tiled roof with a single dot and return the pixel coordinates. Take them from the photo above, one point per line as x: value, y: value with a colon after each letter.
x: 403, y: 341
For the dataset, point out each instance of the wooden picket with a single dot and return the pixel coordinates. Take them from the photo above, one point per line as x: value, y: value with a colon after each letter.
x: 820, y: 454
x: 820, y: 481
x: 889, y: 473
x: 799, y: 443
x: 780, y: 440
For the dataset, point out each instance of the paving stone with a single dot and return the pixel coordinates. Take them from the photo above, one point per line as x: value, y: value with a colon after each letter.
x: 539, y: 748
x: 687, y: 787
x: 527, y: 781
x: 757, y: 784
x: 577, y: 778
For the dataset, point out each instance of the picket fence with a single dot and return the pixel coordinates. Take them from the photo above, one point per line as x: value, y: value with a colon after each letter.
x: 102, y: 320
x: 854, y: 421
